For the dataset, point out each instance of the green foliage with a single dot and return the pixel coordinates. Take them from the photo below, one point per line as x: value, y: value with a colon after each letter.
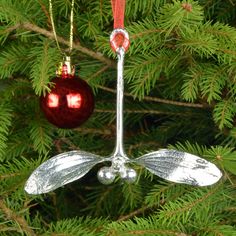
x: 177, y: 17
x: 6, y: 122
x: 190, y: 87
x: 14, y: 12
x: 43, y: 67
x: 87, y: 28
x: 69, y: 227
x: 180, y: 84
x: 40, y: 134
x: 145, y: 70
x: 208, y: 78
x: 213, y: 83
x: 163, y: 192
x: 225, y: 155
x: 13, y: 174
x: 224, y: 113
x: 142, y: 8
x: 198, y: 43
x: 145, y: 35
x: 14, y: 60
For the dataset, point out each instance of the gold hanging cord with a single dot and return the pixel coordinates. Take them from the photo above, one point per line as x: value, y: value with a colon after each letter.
x: 71, y: 26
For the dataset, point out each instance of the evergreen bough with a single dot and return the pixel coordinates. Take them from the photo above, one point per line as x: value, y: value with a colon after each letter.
x: 180, y: 76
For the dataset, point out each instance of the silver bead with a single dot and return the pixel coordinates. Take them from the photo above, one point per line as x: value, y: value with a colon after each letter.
x: 106, y: 175
x: 128, y: 175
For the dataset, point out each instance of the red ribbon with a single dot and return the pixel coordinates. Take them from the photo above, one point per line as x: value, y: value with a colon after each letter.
x: 118, y: 9
x: 119, y: 37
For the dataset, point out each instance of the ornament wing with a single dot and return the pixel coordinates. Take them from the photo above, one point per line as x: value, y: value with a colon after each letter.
x: 180, y: 167
x: 60, y: 170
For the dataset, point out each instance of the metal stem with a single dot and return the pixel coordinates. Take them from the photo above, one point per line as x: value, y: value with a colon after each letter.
x: 119, y: 149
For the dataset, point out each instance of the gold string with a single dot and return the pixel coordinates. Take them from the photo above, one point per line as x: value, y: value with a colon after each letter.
x: 71, y: 26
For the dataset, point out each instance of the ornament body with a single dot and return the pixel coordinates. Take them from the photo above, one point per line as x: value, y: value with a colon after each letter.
x: 70, y: 102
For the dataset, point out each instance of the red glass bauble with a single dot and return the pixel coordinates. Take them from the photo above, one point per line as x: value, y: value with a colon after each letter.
x: 70, y: 102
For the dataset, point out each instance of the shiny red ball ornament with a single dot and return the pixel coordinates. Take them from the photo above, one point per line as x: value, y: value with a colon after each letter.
x: 70, y: 102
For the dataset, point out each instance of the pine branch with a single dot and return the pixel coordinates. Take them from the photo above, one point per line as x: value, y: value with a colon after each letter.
x: 46, y: 12
x: 11, y: 215
x: 43, y: 67
x: 100, y: 71
x: 151, y: 112
x: 77, y: 46
x: 94, y: 131
x: 177, y: 48
x: 135, y: 213
x: 224, y: 113
x: 10, y: 229
x: 157, y: 232
x: 141, y: 144
x: 186, y: 208
x: 159, y: 100
x: 10, y: 175
x: 175, y: 103
x: 11, y: 28
x: 180, y: 17
x: 190, y: 85
x: 5, y: 124
x: 144, y: 71
x: 142, y: 226
x: 41, y: 135
x: 13, y: 174
x: 13, y: 59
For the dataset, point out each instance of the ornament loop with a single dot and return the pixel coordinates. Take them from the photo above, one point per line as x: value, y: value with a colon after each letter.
x: 65, y: 69
x: 119, y: 38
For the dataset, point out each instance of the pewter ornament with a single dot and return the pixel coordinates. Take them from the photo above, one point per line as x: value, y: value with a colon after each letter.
x: 60, y: 170
x: 175, y: 166
x: 180, y: 167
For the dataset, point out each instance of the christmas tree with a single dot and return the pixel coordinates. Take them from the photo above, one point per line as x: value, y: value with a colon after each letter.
x: 180, y: 89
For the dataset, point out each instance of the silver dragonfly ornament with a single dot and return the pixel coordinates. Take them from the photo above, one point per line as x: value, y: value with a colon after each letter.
x: 171, y: 165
